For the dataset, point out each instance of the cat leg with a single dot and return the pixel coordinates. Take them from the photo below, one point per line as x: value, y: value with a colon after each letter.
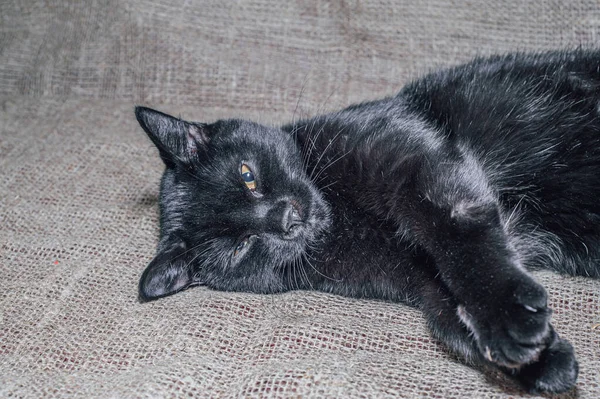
x: 555, y: 369
x: 504, y: 307
x: 449, y: 210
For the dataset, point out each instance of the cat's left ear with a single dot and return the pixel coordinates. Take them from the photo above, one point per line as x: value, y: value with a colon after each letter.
x: 169, y: 272
x: 178, y: 141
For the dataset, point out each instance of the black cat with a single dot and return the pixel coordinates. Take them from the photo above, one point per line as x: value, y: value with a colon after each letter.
x: 440, y: 197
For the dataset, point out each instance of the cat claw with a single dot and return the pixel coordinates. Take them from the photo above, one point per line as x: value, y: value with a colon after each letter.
x: 531, y: 309
x: 512, y: 333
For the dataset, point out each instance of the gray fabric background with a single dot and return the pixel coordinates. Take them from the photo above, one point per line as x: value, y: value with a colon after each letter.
x: 79, y: 183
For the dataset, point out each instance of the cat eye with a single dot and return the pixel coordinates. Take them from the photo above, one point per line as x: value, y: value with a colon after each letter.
x: 243, y: 244
x: 248, y: 177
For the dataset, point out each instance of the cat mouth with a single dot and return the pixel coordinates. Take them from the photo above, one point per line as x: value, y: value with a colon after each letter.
x: 313, y: 221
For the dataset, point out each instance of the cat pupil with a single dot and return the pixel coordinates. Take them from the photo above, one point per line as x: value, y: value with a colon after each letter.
x: 248, y: 177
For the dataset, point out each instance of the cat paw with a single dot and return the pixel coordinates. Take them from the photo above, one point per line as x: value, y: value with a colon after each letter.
x: 555, y: 371
x: 513, y: 330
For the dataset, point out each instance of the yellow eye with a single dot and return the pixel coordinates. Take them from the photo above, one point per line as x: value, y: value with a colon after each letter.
x: 241, y: 246
x: 248, y: 177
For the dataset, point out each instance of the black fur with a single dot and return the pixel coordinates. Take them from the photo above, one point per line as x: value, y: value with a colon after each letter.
x: 440, y: 197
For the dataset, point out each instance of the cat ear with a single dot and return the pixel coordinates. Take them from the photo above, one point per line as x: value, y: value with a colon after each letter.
x: 169, y: 272
x: 176, y: 139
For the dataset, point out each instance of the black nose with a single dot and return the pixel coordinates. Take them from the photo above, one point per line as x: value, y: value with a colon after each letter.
x: 291, y: 216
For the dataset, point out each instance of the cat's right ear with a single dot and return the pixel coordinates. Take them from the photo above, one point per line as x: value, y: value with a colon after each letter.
x: 177, y: 141
x: 169, y: 272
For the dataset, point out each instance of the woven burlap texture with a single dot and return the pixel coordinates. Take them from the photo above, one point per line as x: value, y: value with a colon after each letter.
x: 79, y: 184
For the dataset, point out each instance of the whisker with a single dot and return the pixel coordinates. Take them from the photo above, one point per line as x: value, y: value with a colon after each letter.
x: 208, y: 242
x: 330, y: 164
x: 289, y: 275
x: 312, y: 141
x: 319, y: 112
x: 327, y: 185
x: 325, y: 150
x: 321, y: 274
x: 303, y: 270
x: 197, y: 256
x: 300, y: 98
x: 295, y: 278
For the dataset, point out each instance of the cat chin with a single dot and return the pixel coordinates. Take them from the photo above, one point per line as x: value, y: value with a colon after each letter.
x: 290, y: 249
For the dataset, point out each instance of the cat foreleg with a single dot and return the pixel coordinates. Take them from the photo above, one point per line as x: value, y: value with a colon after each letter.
x: 454, y: 216
x: 555, y: 369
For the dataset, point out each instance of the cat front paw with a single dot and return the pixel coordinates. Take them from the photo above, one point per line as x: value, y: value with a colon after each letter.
x: 513, y: 330
x: 556, y: 370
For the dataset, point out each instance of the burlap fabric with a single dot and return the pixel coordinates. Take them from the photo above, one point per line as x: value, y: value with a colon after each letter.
x: 79, y: 183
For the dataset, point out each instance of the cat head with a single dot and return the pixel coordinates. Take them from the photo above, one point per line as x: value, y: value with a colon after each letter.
x: 237, y: 209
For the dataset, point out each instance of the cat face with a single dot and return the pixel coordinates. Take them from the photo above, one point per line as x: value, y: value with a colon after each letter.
x: 237, y: 208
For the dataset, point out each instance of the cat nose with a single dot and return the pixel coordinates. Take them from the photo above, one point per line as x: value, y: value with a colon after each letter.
x: 291, y: 216
x: 283, y: 216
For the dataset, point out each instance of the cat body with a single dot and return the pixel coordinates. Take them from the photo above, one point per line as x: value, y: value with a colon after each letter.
x: 440, y: 197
